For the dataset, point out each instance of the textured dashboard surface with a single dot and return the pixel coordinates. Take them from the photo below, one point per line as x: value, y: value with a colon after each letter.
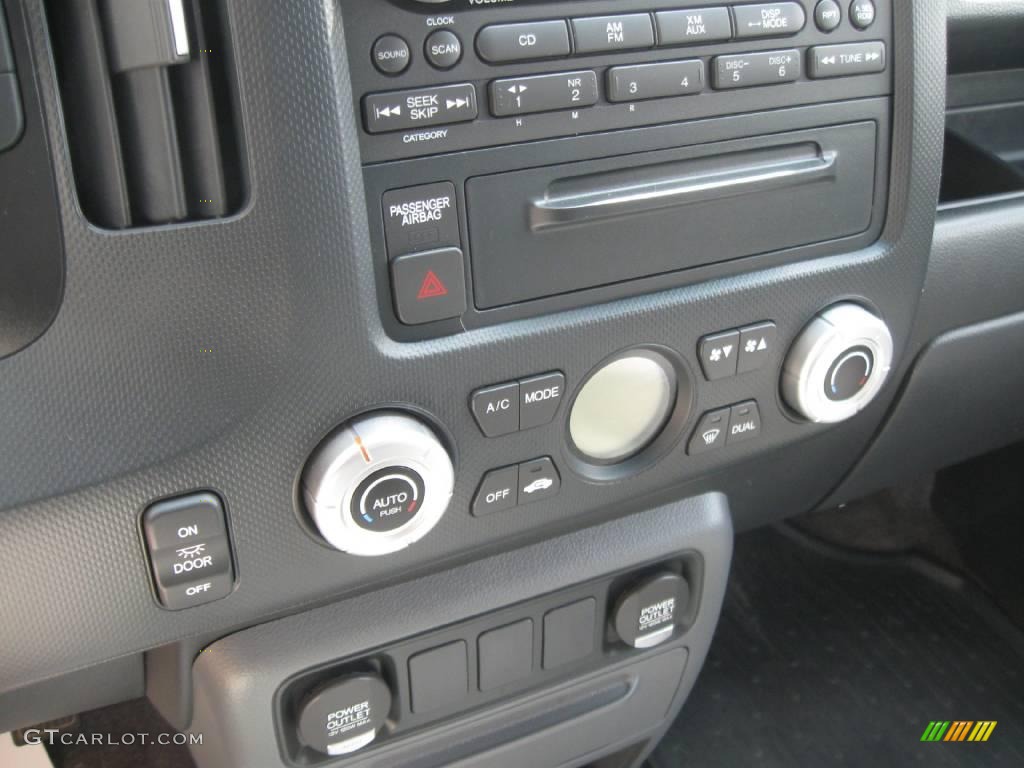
x: 218, y: 355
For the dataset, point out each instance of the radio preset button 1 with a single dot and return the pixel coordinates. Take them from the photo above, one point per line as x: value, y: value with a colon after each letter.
x: 846, y: 59
x: 543, y: 93
x: 655, y: 81
x: 769, y: 20
x: 443, y: 48
x: 500, y: 43
x: 612, y: 33
x: 693, y: 26
x: 748, y: 69
x: 391, y: 54
x: 401, y: 110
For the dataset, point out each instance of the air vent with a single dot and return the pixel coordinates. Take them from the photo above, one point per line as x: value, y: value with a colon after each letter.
x: 150, y: 109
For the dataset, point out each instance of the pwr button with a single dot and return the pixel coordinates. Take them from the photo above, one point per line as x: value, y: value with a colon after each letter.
x: 429, y: 286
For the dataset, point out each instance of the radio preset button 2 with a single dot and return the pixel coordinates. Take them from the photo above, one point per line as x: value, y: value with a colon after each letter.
x: 543, y: 93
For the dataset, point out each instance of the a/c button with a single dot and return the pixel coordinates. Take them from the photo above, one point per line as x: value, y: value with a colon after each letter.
x: 496, y: 409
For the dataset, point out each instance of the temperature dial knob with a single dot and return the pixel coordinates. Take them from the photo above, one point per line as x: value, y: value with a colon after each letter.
x: 378, y: 483
x: 838, y: 364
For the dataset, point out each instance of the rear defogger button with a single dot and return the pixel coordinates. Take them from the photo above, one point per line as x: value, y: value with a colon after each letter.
x: 421, y: 218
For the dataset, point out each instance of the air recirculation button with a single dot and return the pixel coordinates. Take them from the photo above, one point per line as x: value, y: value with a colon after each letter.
x: 378, y: 484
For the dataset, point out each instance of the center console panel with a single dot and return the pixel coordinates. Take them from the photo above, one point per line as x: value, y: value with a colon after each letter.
x: 461, y: 685
x: 471, y: 226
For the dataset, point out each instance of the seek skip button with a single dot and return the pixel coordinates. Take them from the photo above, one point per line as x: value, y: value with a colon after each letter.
x: 539, y: 398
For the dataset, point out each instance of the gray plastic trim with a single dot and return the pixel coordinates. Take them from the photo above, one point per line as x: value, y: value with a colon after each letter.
x: 236, y: 678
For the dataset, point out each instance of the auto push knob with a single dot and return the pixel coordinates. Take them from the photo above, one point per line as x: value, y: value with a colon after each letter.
x: 838, y: 363
x: 379, y: 483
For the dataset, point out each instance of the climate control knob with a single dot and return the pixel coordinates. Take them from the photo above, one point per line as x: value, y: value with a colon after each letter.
x: 837, y: 364
x: 378, y: 483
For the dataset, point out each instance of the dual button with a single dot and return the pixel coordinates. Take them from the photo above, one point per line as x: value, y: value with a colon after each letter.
x: 506, y: 408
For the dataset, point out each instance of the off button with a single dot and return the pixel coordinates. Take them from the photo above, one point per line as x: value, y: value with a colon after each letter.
x: 387, y: 499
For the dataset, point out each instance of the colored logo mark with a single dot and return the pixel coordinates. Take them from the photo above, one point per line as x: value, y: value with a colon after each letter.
x: 959, y: 730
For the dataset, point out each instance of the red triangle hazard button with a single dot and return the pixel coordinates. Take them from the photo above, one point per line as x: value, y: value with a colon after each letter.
x: 432, y: 287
